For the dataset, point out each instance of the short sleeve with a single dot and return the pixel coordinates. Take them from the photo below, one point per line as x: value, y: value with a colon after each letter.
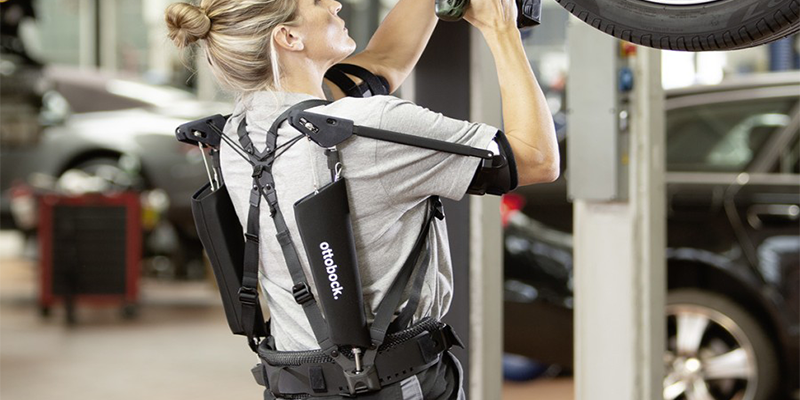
x: 410, y: 172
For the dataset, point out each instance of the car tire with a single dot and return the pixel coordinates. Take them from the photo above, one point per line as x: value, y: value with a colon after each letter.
x: 705, y: 329
x: 691, y: 25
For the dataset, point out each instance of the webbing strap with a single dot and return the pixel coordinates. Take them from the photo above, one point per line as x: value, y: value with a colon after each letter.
x: 309, y: 304
x: 385, y: 311
x: 404, y: 319
x: 264, y: 185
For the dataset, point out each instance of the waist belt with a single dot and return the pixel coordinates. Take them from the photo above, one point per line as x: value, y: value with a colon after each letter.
x: 313, y: 373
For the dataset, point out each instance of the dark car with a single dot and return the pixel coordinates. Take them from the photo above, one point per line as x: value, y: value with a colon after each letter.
x: 733, y: 246
x: 96, y: 131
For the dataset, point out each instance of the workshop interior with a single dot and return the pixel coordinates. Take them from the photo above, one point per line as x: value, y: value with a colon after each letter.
x: 663, y: 263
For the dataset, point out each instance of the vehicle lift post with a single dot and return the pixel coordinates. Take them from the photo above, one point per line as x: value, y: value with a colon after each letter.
x: 616, y: 174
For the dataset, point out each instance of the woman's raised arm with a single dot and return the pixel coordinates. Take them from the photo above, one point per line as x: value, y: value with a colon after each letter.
x: 527, y: 118
x: 399, y: 42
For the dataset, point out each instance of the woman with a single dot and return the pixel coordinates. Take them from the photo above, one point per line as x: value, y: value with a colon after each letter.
x: 275, y: 53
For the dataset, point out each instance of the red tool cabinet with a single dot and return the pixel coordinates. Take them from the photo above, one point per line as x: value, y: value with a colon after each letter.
x: 90, y: 250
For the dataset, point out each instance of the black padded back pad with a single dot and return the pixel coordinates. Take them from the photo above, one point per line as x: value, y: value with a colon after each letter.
x: 222, y: 237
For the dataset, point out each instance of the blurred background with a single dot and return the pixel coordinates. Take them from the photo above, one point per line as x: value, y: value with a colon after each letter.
x: 91, y: 92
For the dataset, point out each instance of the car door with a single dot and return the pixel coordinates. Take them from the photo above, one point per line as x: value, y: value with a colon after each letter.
x: 767, y: 209
x: 714, y: 142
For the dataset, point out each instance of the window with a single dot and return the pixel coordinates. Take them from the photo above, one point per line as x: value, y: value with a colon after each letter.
x: 723, y: 137
x: 59, y: 24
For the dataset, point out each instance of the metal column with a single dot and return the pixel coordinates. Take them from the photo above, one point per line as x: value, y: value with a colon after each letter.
x: 107, y: 35
x: 486, y: 241
x: 616, y: 172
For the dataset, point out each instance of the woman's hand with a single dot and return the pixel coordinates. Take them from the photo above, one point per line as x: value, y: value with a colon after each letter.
x: 492, y: 15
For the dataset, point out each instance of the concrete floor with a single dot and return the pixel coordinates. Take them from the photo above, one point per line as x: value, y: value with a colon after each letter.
x: 179, y: 346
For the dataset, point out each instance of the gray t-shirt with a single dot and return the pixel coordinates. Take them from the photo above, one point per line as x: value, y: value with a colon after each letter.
x: 388, y: 185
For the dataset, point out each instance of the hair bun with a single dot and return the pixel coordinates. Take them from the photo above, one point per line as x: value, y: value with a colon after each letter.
x: 186, y: 23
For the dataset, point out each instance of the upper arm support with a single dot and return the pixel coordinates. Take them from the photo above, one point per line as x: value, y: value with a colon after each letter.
x: 372, y: 85
x: 497, y: 176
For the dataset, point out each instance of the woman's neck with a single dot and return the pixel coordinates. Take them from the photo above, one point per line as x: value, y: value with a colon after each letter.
x: 303, y: 76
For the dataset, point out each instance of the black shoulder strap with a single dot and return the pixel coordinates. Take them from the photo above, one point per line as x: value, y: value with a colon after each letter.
x: 264, y: 185
x: 390, y: 302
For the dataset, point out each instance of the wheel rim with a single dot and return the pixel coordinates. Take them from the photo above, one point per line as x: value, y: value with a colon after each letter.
x: 681, y: 2
x: 708, y: 356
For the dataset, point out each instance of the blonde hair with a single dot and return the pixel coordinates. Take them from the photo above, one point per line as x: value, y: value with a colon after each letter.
x: 236, y: 37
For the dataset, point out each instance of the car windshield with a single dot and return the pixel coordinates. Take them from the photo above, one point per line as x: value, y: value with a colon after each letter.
x: 723, y: 137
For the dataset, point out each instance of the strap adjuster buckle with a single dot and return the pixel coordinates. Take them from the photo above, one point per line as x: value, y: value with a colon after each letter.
x: 258, y: 170
x: 251, y: 237
x: 248, y: 295
x: 301, y: 293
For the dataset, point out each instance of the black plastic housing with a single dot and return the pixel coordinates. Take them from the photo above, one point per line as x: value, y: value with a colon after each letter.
x: 323, y: 219
x: 206, y: 131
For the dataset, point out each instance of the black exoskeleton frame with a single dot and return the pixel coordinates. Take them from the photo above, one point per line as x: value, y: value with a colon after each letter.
x: 363, y: 366
x: 353, y: 357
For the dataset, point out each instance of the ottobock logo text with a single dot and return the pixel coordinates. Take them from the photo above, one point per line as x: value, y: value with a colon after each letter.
x: 330, y: 268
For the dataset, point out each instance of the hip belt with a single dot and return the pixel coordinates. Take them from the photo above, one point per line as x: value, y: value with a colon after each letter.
x: 314, y: 373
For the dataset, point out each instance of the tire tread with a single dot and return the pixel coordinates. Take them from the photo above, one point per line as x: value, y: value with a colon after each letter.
x: 783, y: 22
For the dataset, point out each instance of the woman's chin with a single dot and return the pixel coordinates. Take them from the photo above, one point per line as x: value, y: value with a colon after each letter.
x: 349, y: 49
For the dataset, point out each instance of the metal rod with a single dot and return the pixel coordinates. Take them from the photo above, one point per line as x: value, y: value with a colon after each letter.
x: 208, y: 169
x: 357, y: 356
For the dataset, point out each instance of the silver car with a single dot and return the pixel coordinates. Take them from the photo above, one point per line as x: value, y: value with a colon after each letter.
x: 98, y: 132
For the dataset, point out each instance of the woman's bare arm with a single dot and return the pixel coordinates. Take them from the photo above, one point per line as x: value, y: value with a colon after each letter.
x: 526, y: 116
x: 398, y: 43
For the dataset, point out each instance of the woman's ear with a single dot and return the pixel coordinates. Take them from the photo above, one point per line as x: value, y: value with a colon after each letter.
x: 287, y: 38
